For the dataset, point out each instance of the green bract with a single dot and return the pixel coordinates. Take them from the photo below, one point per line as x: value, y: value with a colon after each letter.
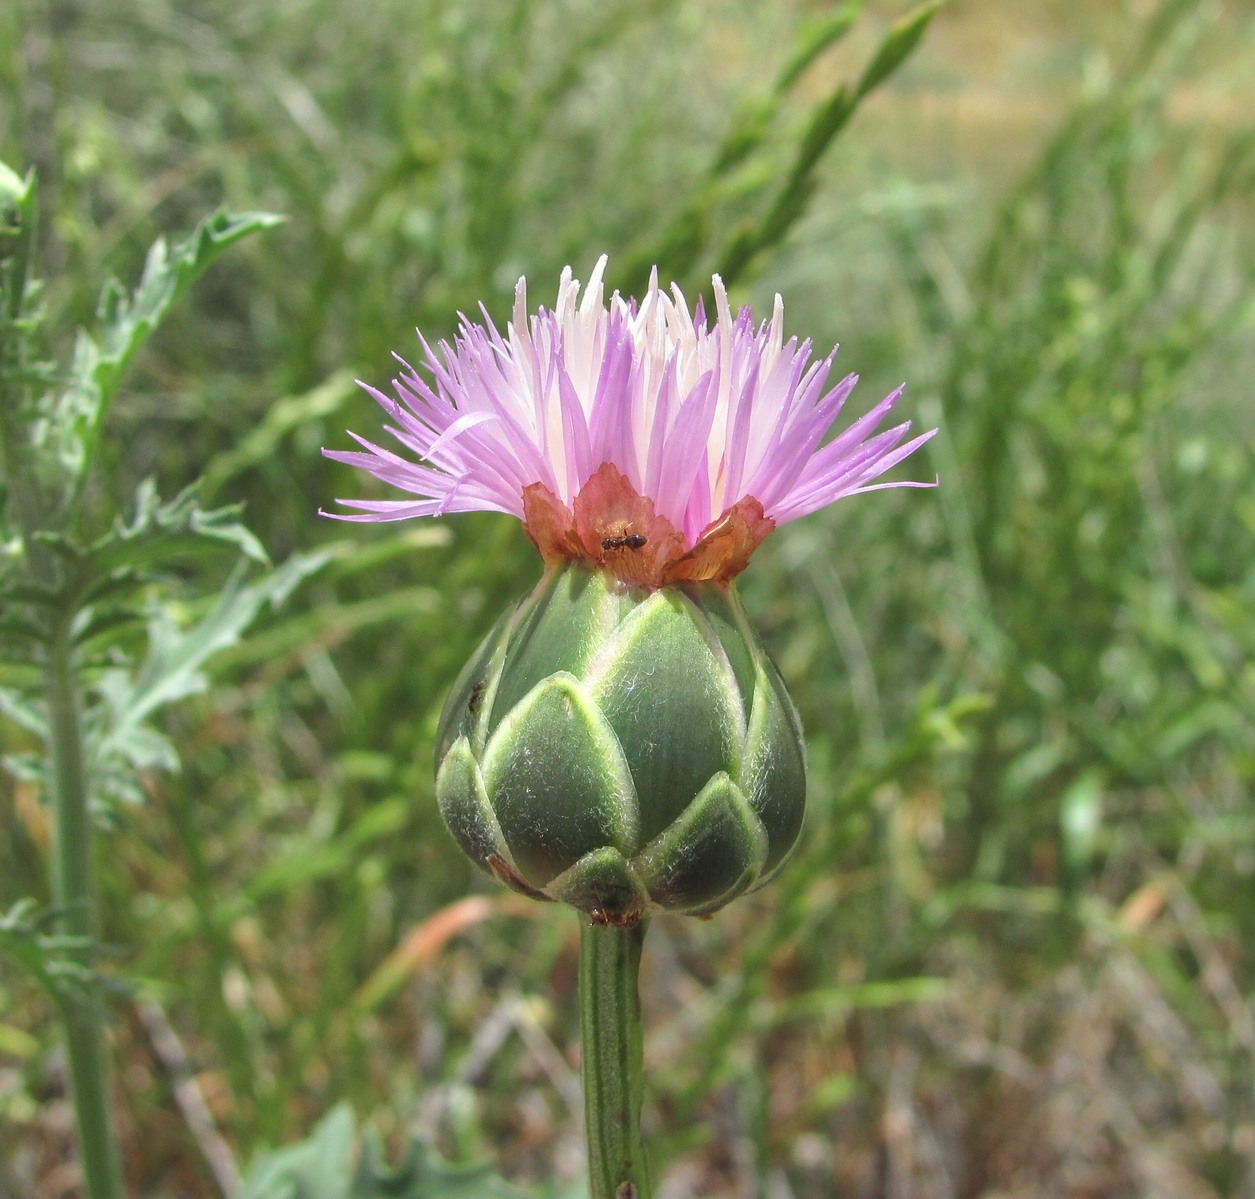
x: 623, y: 751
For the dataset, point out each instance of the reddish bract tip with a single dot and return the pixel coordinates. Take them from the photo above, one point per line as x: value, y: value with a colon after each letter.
x: 614, y: 528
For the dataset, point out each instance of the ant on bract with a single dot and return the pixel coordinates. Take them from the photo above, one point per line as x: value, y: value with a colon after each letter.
x: 633, y: 541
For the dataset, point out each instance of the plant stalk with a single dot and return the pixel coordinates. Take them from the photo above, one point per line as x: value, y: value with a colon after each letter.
x: 613, y: 1060
x: 73, y: 894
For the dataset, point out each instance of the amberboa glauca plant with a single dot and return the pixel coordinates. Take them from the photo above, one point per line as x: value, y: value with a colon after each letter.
x: 620, y: 741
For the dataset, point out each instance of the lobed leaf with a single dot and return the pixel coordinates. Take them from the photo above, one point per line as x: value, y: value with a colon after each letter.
x: 321, y: 1167
x: 174, y: 668
x: 52, y: 960
x: 24, y: 710
x: 126, y: 323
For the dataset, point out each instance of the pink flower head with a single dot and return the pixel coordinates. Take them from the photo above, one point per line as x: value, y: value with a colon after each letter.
x: 636, y: 437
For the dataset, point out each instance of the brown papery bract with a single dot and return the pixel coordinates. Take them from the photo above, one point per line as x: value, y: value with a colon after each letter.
x: 612, y: 527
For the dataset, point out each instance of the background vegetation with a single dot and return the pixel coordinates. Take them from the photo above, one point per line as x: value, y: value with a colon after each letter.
x: 1013, y: 957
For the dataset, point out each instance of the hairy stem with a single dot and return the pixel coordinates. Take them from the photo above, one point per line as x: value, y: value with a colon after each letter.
x: 73, y: 894
x: 613, y: 1060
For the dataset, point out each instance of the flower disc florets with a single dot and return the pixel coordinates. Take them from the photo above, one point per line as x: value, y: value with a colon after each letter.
x: 635, y: 438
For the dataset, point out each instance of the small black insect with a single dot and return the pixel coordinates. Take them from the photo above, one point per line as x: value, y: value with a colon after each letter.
x: 633, y: 541
x: 477, y: 698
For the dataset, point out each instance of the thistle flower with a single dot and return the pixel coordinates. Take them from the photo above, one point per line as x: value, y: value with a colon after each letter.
x: 621, y: 741
x: 634, y: 438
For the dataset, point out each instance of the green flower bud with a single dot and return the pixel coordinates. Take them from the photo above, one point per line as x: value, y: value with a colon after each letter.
x: 623, y: 751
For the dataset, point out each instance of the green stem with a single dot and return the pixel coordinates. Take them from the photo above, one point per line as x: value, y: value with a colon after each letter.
x: 72, y: 890
x: 73, y: 894
x: 613, y: 1060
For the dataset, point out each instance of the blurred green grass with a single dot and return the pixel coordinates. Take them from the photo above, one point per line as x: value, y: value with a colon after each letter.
x: 1013, y: 954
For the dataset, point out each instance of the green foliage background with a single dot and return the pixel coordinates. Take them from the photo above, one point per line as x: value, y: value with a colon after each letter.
x: 1013, y: 955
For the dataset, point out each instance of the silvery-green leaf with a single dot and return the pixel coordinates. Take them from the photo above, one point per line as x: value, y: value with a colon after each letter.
x: 322, y: 1167
x: 174, y: 667
x: 126, y: 322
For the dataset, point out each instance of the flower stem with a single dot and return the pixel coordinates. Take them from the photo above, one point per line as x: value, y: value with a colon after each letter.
x: 613, y: 1060
x: 73, y: 895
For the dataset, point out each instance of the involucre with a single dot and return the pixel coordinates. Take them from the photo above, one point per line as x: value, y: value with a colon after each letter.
x: 623, y: 750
